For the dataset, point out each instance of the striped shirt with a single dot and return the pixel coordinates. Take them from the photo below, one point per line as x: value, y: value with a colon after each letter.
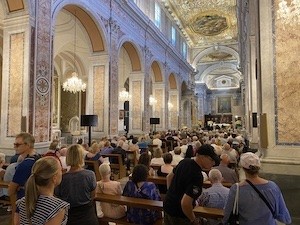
x: 46, y: 208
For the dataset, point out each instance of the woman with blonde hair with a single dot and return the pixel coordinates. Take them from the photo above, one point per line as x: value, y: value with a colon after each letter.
x: 78, y: 188
x: 39, y: 206
x: 157, y: 157
x: 107, y: 186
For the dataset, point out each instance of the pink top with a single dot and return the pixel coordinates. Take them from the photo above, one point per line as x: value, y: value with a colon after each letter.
x: 112, y: 188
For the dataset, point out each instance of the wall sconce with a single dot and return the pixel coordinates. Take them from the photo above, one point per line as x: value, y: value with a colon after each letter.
x: 152, y: 100
x: 124, y: 95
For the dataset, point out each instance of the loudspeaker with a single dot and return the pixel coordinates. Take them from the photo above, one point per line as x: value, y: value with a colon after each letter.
x: 254, y: 119
x: 154, y: 120
x: 89, y: 120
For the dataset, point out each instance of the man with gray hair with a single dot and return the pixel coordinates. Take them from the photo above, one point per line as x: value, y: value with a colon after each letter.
x: 228, y: 174
x: 216, y: 195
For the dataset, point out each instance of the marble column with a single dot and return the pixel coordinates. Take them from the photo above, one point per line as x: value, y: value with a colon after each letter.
x: 41, y: 73
x: 113, y: 78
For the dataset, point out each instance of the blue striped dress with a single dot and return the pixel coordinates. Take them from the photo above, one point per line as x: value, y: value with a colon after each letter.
x: 46, y: 208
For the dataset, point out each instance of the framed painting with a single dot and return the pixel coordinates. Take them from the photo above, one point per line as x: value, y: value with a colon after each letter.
x: 121, y: 114
x: 224, y: 104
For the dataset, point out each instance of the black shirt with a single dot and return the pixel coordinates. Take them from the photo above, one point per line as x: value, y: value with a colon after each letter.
x: 187, y: 180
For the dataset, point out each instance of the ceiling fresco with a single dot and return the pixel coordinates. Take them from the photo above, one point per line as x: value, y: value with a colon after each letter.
x: 206, y: 24
x: 205, y: 21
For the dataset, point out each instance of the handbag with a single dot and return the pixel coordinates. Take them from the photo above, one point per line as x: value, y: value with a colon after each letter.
x: 234, y: 216
x: 262, y: 197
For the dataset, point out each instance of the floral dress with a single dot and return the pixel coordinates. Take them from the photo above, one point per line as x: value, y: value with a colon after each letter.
x: 147, y: 191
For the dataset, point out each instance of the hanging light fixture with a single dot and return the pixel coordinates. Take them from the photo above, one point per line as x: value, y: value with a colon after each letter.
x: 124, y: 95
x: 289, y: 14
x: 74, y: 84
x: 170, y: 105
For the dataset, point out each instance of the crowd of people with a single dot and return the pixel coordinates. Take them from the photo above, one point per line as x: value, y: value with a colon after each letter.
x: 59, y: 181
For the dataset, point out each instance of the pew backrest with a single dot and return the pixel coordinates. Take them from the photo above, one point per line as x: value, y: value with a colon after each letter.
x: 93, y: 165
x: 116, y: 164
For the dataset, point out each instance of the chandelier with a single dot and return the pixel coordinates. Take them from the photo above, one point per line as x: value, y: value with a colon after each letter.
x: 152, y: 100
x: 74, y: 84
x: 289, y: 14
x: 124, y: 95
x: 170, y: 105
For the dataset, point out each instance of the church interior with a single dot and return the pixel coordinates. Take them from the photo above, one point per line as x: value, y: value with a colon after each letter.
x: 182, y: 64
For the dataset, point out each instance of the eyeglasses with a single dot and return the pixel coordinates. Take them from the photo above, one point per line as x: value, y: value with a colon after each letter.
x: 19, y: 144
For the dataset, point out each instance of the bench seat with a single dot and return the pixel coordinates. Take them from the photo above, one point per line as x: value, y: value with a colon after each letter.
x: 131, y: 202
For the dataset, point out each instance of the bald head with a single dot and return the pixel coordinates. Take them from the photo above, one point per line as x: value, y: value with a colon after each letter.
x: 225, y: 159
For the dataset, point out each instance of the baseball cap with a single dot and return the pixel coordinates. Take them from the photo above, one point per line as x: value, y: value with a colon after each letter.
x: 249, y: 159
x: 209, y: 151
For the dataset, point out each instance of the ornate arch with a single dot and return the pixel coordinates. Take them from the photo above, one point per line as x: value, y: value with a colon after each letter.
x: 209, y: 50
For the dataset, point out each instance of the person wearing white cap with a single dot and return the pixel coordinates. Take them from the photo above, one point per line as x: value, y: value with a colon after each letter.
x: 264, y: 205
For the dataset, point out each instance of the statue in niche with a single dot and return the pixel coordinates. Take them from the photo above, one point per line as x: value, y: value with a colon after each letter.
x: 74, y: 125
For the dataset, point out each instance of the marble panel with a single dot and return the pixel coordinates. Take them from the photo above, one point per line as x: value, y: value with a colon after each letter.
x: 287, y: 82
x: 98, y: 93
x: 174, y: 112
x: 158, y: 93
x: 15, y: 86
x: 136, y: 106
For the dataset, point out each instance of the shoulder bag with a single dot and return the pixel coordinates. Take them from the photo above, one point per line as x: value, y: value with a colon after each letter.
x: 262, y: 197
x: 234, y: 216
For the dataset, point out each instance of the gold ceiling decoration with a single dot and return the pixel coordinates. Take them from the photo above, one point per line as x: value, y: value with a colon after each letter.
x: 209, y: 24
x: 220, y: 55
x: 205, y: 21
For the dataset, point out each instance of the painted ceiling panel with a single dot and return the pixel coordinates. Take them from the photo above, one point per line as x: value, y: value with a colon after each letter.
x: 205, y: 21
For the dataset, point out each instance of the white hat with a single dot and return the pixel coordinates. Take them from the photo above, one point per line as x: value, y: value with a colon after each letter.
x: 249, y: 159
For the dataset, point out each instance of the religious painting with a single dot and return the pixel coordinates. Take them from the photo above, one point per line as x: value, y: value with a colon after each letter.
x: 121, y: 114
x: 224, y: 104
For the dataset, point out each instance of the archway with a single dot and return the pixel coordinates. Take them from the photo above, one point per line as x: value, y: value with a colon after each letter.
x: 82, y: 41
x: 130, y: 89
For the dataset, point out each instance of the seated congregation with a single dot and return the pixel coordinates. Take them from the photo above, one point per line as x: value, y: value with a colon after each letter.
x: 193, y: 181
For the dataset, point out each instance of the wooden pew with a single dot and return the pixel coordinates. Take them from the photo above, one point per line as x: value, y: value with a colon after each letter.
x: 128, y: 201
x: 131, y: 155
x: 155, y: 166
x: 157, y: 180
x: 206, y: 212
x: 151, y: 147
x: 4, y: 184
x: 117, y: 168
x: 94, y: 165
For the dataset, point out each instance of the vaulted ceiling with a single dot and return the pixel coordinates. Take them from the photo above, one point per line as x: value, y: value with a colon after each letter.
x: 211, y: 29
x: 205, y: 21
